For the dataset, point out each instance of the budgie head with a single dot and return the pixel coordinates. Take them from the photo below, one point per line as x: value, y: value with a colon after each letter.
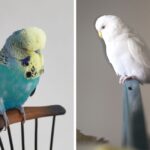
x: 25, y: 47
x: 25, y: 41
x: 109, y: 26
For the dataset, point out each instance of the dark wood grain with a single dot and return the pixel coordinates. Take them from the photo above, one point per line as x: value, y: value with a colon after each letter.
x: 14, y: 115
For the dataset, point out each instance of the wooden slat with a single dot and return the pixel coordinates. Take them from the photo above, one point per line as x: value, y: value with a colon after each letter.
x: 14, y: 115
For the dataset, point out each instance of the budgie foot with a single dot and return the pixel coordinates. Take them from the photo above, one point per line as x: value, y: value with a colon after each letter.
x: 4, y: 114
x: 6, y: 120
x: 21, y: 110
x: 123, y: 78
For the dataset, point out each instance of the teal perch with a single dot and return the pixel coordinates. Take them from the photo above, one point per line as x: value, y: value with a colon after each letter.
x: 134, y: 127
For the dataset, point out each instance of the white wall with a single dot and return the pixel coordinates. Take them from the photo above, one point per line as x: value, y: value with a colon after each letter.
x: 99, y: 95
x: 56, y: 85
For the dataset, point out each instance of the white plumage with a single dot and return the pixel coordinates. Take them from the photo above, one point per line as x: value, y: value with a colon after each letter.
x: 126, y: 52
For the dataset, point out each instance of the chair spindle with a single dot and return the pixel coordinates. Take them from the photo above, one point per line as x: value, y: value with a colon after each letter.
x: 22, y: 136
x: 52, y: 132
x: 36, y: 134
x: 10, y: 138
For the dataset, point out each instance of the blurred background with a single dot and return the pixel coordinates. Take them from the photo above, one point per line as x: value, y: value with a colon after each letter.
x: 56, y: 84
x: 99, y: 95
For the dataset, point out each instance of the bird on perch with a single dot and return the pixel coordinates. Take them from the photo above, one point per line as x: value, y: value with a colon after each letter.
x: 127, y: 53
x: 21, y: 65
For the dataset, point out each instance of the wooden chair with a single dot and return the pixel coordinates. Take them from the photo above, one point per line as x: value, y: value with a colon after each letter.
x: 31, y: 113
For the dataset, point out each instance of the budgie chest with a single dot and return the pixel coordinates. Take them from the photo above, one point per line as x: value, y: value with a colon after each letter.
x: 121, y: 58
x: 14, y: 87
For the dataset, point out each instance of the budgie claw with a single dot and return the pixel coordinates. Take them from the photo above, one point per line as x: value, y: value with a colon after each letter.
x: 123, y: 78
x: 6, y: 120
x: 21, y: 109
x: 4, y: 114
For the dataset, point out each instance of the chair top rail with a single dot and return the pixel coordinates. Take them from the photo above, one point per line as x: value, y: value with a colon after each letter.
x: 15, y: 116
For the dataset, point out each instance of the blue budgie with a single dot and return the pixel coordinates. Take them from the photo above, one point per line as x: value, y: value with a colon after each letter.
x: 21, y: 64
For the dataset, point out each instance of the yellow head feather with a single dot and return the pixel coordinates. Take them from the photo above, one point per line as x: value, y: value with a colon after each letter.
x: 24, y: 41
x: 30, y: 39
x: 36, y: 65
x: 33, y: 38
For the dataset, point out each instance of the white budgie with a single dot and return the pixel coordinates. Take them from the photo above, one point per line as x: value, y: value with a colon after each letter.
x: 126, y: 52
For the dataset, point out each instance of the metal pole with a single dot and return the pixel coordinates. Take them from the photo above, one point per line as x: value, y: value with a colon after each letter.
x: 134, y: 128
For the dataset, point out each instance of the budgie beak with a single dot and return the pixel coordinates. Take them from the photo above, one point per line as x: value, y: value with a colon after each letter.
x: 100, y: 34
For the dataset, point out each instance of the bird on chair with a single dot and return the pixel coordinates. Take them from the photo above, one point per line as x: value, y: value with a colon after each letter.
x: 127, y: 53
x: 21, y: 65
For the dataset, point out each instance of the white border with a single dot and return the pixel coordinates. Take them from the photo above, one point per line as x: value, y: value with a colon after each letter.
x: 75, y: 72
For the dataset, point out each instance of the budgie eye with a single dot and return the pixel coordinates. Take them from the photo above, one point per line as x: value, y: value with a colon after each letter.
x: 103, y: 27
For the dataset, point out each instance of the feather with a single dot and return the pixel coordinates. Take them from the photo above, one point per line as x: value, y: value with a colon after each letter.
x: 32, y: 93
x: 138, y: 51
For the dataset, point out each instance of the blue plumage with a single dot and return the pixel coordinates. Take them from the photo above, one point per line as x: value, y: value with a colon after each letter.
x: 14, y: 87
